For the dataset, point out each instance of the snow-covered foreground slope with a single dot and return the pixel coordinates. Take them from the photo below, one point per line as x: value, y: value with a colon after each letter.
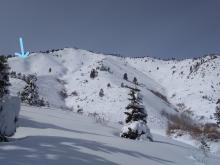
x: 54, y: 136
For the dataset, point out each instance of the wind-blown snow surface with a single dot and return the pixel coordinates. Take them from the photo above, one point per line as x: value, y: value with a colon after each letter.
x: 54, y: 137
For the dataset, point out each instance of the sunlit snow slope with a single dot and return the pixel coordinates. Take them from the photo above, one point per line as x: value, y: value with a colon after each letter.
x: 56, y: 135
x: 165, y: 85
x: 191, y: 84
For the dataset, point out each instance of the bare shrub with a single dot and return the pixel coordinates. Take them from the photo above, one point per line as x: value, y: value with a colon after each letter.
x: 62, y: 82
x: 101, y: 92
x: 182, y: 123
x: 164, y: 98
x: 211, y: 131
x: 181, y: 106
x: 99, y: 118
x: 80, y: 111
x: 217, y: 112
x: 104, y: 68
x: 63, y: 94
x: 109, y: 85
x: 74, y: 93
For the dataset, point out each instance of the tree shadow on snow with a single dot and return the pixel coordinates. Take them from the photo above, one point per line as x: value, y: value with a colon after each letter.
x: 52, y: 150
x: 44, y: 150
x: 40, y: 150
x: 25, y: 122
x: 173, y: 144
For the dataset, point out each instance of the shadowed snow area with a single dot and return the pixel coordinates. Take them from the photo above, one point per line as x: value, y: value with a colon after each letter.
x: 55, y: 137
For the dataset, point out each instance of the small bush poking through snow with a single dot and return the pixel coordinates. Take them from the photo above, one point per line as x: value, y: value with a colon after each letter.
x: 135, y: 81
x: 125, y: 76
x: 74, y: 93
x: 101, y: 93
x: 104, y: 68
x: 80, y: 111
x: 109, y: 85
x: 99, y: 118
x: 63, y: 94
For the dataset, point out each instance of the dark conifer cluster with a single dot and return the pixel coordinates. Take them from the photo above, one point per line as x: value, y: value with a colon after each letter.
x: 30, y: 94
x: 4, y: 77
x: 217, y: 112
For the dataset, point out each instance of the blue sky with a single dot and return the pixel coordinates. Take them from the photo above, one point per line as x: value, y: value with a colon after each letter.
x: 158, y: 28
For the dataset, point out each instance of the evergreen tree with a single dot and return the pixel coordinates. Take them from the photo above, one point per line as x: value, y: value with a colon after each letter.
x: 31, y: 78
x: 8, y: 114
x: 30, y: 94
x: 13, y: 74
x: 125, y: 77
x: 24, y: 77
x: 217, y: 112
x: 135, y: 81
x: 4, y: 77
x: 93, y: 73
x: 136, y: 123
x: 19, y: 76
x: 101, y: 93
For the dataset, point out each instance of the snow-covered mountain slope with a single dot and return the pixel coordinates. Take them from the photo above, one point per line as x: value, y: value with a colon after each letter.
x: 54, y: 137
x: 64, y: 81
x: 70, y: 72
x: 191, y: 84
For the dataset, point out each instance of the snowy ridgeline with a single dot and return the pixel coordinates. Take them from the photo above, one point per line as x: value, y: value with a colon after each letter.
x: 9, y: 110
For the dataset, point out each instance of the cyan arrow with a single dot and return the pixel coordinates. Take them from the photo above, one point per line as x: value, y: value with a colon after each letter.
x: 22, y: 54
